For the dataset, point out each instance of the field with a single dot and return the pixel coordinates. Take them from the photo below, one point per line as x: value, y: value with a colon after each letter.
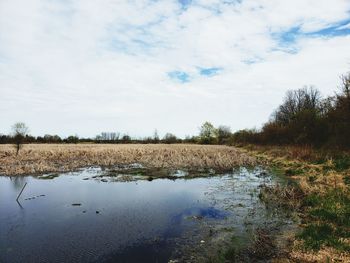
x: 43, y: 158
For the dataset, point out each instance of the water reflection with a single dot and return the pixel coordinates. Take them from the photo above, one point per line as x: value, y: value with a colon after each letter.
x: 132, y: 221
x: 18, y: 181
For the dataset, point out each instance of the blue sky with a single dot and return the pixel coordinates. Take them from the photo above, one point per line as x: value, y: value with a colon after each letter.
x: 82, y: 67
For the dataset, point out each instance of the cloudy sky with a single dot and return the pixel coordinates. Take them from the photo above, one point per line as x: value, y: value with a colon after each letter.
x: 87, y: 66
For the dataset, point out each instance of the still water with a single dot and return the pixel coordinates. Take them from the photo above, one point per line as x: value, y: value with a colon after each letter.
x: 91, y: 216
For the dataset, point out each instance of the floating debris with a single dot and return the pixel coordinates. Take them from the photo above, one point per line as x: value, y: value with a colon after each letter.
x: 34, y: 197
x: 48, y: 176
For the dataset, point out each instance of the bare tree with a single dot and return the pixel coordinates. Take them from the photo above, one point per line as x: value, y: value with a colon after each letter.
x: 155, y: 136
x: 108, y: 136
x: 19, y: 130
x: 346, y: 85
x: 295, y: 102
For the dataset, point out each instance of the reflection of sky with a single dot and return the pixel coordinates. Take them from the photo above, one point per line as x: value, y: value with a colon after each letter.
x: 129, y: 213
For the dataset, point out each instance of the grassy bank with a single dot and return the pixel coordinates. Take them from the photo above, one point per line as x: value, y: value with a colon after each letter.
x: 43, y: 158
x: 322, y: 199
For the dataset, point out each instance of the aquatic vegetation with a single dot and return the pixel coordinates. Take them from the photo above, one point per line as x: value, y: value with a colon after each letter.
x: 287, y: 197
x: 48, y: 176
x: 43, y: 158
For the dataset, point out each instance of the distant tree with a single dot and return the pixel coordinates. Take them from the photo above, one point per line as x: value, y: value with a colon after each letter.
x: 155, y: 136
x: 5, y: 139
x: 50, y: 138
x: 56, y: 139
x: 19, y: 130
x: 246, y: 136
x: 114, y: 136
x: 126, y: 138
x: 207, y: 133
x: 30, y: 139
x: 72, y: 139
x: 108, y: 137
x: 190, y: 139
x: 223, y: 134
x: 170, y: 138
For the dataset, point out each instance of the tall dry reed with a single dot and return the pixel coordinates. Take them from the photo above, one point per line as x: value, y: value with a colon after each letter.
x: 41, y: 158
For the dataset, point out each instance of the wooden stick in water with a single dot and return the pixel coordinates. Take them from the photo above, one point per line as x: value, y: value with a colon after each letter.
x: 21, y: 192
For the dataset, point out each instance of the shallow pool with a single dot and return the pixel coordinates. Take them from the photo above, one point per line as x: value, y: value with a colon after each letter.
x: 88, y: 216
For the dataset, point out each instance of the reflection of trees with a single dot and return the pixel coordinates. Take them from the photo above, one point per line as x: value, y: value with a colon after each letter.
x: 18, y: 182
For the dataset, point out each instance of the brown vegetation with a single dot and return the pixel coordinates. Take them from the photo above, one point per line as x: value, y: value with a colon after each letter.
x: 315, y: 171
x: 322, y: 194
x: 41, y: 158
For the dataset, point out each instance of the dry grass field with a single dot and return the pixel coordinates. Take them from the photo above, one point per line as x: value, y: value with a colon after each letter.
x: 42, y: 158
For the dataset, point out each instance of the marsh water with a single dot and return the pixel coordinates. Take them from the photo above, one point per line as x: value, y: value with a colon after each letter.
x: 95, y: 216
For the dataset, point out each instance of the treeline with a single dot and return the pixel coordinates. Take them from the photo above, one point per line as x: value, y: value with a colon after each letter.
x: 208, y: 135
x: 4, y: 139
x: 305, y: 118
x: 105, y: 137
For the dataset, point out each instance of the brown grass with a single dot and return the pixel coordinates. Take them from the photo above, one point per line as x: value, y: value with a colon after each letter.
x: 316, y: 172
x: 301, y: 164
x: 325, y: 254
x: 42, y: 158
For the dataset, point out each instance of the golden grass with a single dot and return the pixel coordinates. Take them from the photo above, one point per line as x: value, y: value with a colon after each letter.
x: 325, y: 254
x: 42, y: 158
x: 299, y: 164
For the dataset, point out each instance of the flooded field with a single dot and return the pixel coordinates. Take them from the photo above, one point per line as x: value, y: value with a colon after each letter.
x: 98, y: 215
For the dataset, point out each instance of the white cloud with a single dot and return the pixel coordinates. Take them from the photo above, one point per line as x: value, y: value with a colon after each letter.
x: 84, y: 67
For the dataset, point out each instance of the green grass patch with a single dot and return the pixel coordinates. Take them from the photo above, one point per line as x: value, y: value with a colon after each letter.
x: 333, y: 207
x: 297, y: 171
x: 330, y: 220
x: 347, y: 180
x: 316, y: 235
x: 342, y: 163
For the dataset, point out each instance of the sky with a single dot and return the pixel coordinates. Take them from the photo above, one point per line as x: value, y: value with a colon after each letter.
x: 133, y: 66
